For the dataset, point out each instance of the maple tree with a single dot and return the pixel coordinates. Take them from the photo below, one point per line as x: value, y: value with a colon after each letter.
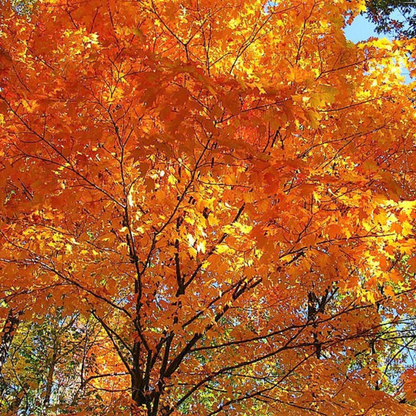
x: 205, y: 208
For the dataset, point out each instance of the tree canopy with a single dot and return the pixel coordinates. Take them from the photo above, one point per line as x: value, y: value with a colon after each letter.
x: 396, y: 17
x: 206, y: 208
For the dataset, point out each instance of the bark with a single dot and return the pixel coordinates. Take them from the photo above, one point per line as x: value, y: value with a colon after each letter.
x: 49, y: 379
x: 9, y: 330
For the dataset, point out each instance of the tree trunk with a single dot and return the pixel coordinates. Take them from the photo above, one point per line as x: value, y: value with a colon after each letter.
x: 9, y: 330
x: 49, y: 379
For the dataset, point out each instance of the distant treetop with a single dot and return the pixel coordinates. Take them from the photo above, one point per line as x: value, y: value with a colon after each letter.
x: 395, y: 17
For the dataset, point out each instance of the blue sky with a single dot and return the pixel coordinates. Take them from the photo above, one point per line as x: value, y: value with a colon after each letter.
x: 361, y: 29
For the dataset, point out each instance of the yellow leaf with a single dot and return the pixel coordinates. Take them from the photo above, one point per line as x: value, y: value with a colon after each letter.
x: 222, y: 248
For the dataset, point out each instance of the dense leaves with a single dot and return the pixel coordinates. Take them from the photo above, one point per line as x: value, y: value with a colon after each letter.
x: 205, y: 208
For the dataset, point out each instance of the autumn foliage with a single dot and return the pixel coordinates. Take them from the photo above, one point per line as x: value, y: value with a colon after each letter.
x: 206, y: 207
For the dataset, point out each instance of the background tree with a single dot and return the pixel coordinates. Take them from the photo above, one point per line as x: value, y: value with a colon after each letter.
x: 50, y: 367
x: 226, y: 190
x: 396, y: 17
